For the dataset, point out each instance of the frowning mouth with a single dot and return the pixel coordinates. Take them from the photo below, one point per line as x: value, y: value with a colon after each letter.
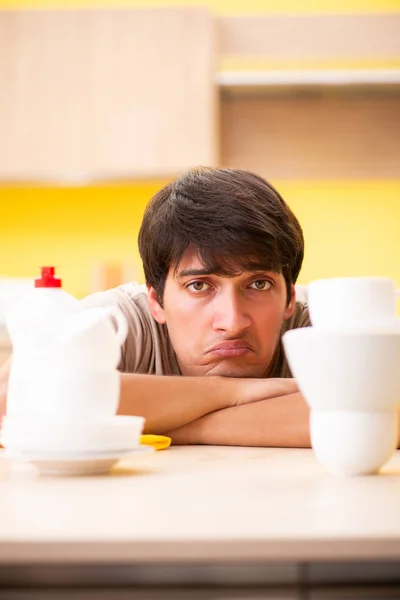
x: 231, y: 348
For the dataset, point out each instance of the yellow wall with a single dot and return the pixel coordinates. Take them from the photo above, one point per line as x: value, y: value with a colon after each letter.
x: 351, y: 228
x: 74, y: 229
x: 227, y: 6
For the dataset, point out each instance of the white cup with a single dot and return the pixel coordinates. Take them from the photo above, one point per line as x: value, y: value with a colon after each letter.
x: 60, y: 394
x: 351, y: 381
x: 353, y: 302
x: 353, y: 443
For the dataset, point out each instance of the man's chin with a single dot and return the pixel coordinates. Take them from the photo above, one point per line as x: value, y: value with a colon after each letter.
x: 227, y: 370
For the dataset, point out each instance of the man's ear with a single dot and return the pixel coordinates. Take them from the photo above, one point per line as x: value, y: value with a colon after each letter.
x: 155, y: 307
x: 291, y: 306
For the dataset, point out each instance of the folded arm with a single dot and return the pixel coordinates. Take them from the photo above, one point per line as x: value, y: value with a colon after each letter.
x: 279, y: 422
x: 168, y: 403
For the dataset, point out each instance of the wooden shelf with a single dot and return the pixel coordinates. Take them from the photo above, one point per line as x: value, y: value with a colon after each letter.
x: 308, y: 77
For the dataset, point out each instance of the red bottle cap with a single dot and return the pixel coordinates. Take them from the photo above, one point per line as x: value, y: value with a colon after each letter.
x: 47, y: 279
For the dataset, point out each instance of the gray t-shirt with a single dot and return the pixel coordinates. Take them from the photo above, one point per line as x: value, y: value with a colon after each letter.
x: 148, y: 348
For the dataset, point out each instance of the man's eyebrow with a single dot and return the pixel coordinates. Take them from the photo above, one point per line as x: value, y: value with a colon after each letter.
x: 194, y: 272
x: 200, y: 272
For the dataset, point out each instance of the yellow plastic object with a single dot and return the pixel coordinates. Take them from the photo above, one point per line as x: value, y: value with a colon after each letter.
x: 159, y: 442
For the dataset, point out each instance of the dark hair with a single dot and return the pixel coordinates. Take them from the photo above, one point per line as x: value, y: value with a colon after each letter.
x: 235, y: 219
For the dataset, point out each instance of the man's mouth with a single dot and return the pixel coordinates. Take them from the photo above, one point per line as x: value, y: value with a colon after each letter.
x: 231, y: 348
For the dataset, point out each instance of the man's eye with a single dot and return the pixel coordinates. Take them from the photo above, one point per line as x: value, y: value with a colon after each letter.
x: 198, y: 286
x: 261, y: 284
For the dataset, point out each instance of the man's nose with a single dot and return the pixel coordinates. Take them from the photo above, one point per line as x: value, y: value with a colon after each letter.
x: 230, y: 314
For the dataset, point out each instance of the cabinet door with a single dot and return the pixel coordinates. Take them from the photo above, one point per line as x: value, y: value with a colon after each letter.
x: 106, y: 94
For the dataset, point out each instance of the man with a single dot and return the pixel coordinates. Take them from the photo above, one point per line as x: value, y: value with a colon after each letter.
x: 221, y: 253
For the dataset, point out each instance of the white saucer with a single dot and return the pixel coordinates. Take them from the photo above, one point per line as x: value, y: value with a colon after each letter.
x: 93, y: 463
x: 44, y: 436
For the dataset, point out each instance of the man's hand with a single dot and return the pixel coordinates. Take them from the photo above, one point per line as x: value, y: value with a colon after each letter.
x: 279, y: 422
x: 4, y: 375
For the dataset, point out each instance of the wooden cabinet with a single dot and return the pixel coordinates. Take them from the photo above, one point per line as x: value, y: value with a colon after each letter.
x: 124, y: 94
x: 311, y: 97
x: 322, y: 134
x: 106, y: 94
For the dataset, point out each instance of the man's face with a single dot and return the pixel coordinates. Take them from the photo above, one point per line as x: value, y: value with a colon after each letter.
x: 227, y: 326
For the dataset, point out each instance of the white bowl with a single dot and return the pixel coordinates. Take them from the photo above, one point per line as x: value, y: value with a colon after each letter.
x: 353, y: 443
x: 47, y: 436
x: 345, y: 370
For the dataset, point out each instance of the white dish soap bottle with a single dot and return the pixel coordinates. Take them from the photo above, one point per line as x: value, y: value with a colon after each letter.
x: 30, y: 323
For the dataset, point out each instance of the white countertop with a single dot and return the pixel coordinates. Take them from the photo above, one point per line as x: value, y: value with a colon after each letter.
x: 201, y: 503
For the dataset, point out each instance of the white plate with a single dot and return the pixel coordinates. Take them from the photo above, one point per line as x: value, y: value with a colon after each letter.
x: 94, y: 463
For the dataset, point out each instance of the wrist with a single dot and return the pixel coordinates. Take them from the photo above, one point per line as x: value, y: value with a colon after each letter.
x: 227, y: 392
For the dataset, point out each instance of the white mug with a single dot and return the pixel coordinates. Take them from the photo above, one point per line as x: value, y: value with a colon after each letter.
x: 353, y: 302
